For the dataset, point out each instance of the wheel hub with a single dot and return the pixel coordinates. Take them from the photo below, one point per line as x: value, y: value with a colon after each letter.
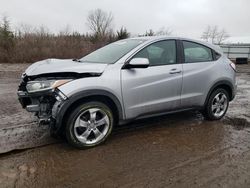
x: 91, y: 125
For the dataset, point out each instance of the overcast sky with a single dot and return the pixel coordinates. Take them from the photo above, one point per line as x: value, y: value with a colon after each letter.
x: 185, y: 17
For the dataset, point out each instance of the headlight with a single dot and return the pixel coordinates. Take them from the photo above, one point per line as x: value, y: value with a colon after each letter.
x: 43, y: 85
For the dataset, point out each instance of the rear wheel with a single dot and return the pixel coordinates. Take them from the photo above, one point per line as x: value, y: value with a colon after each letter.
x: 217, y: 105
x: 89, y: 124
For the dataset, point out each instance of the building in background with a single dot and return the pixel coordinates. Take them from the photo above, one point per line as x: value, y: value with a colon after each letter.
x: 239, y: 53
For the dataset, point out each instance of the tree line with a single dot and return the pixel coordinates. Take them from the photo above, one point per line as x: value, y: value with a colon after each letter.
x: 28, y: 44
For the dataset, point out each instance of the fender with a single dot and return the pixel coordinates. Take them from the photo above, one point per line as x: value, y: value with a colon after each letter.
x: 60, y: 109
x: 223, y: 82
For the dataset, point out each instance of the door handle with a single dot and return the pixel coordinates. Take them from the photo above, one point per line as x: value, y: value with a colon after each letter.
x: 174, y: 71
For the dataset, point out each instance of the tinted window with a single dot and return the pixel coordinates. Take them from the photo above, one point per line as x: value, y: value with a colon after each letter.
x: 159, y: 53
x: 112, y: 52
x: 196, y: 53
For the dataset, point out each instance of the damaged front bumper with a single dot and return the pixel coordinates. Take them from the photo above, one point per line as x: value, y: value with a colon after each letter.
x: 43, y: 104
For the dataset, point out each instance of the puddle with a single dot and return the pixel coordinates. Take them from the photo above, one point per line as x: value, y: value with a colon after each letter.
x: 237, y: 123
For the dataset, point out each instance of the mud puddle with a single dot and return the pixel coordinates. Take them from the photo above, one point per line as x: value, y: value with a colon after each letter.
x: 18, y: 128
x: 237, y: 123
x: 169, y: 151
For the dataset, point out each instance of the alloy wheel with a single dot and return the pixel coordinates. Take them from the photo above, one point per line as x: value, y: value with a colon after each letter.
x: 219, y: 105
x: 91, y: 126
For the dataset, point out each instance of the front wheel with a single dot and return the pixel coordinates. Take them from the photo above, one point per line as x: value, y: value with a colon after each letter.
x: 217, y: 105
x: 89, y: 124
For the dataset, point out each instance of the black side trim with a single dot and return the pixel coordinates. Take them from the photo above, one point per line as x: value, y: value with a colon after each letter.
x: 62, y: 75
x: 216, y: 55
x: 80, y: 95
x: 227, y: 83
x: 180, y: 49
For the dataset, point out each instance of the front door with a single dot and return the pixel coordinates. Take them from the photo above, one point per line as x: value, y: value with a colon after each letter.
x: 156, y: 88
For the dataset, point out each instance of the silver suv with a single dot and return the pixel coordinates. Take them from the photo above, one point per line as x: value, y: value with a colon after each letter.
x: 126, y: 80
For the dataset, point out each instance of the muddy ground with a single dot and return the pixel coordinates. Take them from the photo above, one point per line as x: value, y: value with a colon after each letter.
x: 179, y: 150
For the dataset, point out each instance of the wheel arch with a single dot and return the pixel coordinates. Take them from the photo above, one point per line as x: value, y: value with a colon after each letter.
x: 224, y: 85
x: 90, y: 95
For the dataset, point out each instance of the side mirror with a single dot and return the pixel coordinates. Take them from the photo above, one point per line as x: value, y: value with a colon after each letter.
x: 137, y: 63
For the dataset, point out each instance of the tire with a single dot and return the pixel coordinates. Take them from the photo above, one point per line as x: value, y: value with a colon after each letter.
x: 89, y: 125
x: 216, y: 107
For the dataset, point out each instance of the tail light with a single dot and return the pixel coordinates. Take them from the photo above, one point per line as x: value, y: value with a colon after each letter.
x: 233, y: 66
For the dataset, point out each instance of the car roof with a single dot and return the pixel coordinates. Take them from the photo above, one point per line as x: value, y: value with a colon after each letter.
x: 156, y: 38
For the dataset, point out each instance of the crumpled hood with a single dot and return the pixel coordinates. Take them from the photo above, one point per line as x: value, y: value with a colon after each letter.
x: 63, y: 65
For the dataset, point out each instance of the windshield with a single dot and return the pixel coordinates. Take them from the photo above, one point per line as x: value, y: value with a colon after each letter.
x: 112, y: 52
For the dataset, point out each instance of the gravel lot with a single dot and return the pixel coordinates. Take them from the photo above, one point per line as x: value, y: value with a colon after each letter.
x: 179, y: 150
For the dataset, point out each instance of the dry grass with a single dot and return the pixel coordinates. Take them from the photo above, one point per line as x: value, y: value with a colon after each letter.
x: 33, y: 47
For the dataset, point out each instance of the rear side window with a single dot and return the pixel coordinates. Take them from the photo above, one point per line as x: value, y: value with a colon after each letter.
x: 159, y: 53
x: 194, y: 52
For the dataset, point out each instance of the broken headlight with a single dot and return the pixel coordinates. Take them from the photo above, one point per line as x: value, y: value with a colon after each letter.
x: 44, y: 85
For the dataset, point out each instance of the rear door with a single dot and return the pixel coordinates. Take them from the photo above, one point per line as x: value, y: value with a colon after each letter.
x: 197, y: 73
x: 156, y: 88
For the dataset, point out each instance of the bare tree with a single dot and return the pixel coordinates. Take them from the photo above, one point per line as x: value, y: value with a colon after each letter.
x: 206, y: 34
x: 150, y: 33
x: 163, y: 31
x: 43, y: 31
x: 214, y: 35
x: 66, y: 31
x: 25, y: 29
x: 100, y: 22
x: 222, y: 36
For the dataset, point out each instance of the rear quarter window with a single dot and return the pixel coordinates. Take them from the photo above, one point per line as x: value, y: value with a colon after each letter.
x: 194, y: 52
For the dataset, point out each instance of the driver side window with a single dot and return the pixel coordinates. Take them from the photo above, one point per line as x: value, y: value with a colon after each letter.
x: 159, y: 53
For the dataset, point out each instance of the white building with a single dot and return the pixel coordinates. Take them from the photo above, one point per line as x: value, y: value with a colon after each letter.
x: 240, y: 53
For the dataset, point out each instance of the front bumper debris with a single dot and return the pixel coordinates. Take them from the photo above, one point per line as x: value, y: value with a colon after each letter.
x: 41, y: 103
